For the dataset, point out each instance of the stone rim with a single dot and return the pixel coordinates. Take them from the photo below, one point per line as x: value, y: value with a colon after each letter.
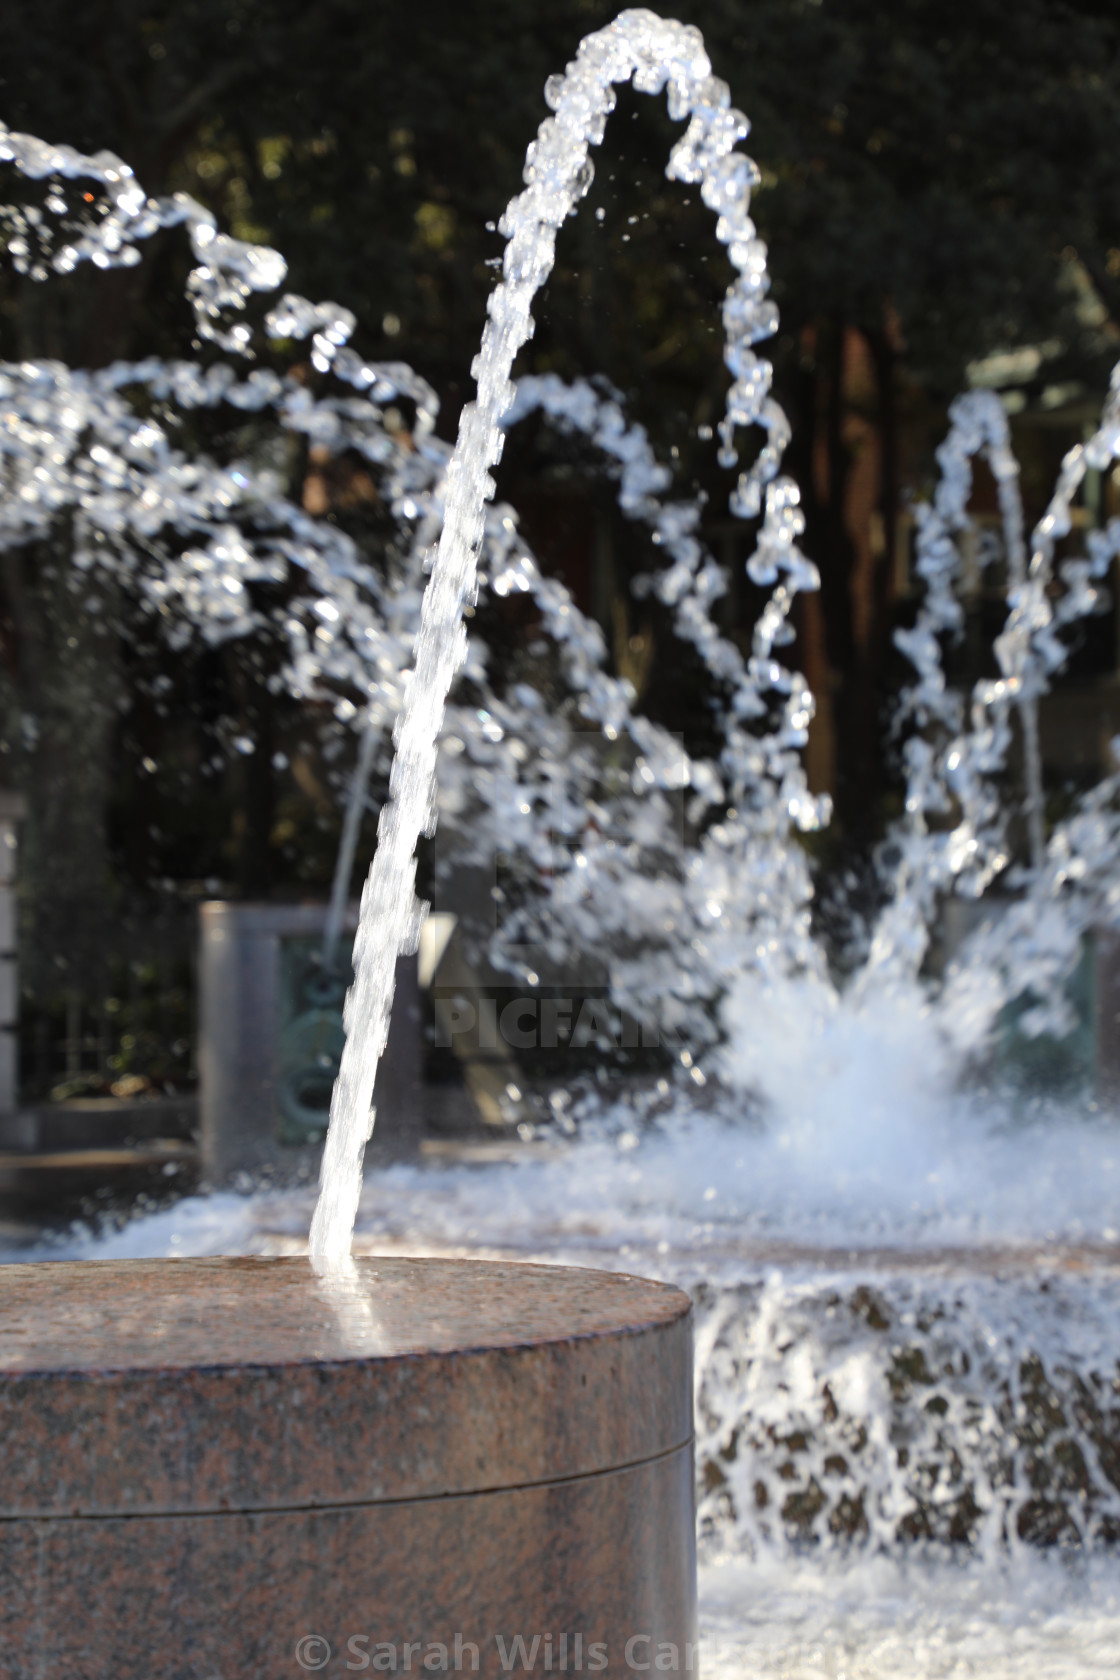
x: 591, y: 1377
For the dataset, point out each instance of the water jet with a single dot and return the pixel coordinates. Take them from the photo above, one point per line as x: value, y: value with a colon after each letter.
x: 162, y: 1425
x: 742, y: 969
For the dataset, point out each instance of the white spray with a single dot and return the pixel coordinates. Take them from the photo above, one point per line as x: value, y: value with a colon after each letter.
x: 655, y: 54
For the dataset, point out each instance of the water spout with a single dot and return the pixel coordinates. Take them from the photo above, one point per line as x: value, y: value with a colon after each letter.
x: 656, y: 54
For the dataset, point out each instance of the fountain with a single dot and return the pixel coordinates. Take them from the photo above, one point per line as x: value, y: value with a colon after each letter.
x: 889, y: 1352
x: 233, y: 1338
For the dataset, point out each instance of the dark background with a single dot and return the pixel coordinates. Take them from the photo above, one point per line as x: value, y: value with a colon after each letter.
x: 941, y: 181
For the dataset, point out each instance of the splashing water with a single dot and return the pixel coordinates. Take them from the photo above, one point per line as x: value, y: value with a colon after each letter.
x: 953, y: 1383
x: 1071, y: 882
x: 1079, y: 868
x: 721, y: 937
x: 906, y: 1336
x: 228, y: 269
x: 737, y: 908
x: 654, y: 54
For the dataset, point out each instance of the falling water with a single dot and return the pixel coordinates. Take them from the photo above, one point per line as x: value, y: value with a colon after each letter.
x: 905, y: 1293
x: 186, y: 539
x: 905, y: 1296
x: 655, y: 54
x: 739, y: 907
x: 189, y: 537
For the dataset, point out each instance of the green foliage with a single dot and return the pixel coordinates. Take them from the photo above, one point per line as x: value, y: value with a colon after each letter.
x: 929, y: 155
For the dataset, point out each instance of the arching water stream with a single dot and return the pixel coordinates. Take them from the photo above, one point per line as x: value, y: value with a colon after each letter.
x: 909, y: 1448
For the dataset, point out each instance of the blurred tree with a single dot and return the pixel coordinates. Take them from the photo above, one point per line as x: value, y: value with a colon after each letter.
x: 939, y: 181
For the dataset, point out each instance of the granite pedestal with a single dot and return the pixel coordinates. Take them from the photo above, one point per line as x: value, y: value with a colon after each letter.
x: 226, y: 1469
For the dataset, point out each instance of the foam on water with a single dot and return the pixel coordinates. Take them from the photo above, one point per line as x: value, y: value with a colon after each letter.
x: 863, y: 1170
x: 906, y: 1316
x: 819, y: 1263
x: 870, y: 1129
x: 884, y: 1620
x: 875, y: 1259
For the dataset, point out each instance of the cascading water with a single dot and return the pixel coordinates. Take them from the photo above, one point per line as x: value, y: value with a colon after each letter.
x: 955, y: 1382
x: 656, y: 54
x: 191, y: 539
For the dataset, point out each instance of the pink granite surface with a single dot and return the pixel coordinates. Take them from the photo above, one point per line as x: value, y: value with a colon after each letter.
x: 203, y: 1385
x: 203, y: 1463
x: 106, y: 1315
x: 229, y: 1598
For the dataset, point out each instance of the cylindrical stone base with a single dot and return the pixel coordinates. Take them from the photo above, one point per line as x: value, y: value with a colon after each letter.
x: 225, y: 1469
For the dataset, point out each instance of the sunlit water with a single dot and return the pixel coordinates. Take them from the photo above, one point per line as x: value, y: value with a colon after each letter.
x: 1008, y: 1218
x: 906, y: 1318
x: 1039, y: 1619
x: 655, y: 54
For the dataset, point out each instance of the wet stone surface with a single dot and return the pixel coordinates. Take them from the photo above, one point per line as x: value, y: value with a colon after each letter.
x: 203, y: 1463
x: 201, y: 1385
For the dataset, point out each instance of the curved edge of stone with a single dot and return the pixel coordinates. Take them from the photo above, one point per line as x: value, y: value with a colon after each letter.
x: 575, y: 1390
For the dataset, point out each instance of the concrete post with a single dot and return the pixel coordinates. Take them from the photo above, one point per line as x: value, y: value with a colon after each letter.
x: 1107, y: 964
x: 263, y: 1051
